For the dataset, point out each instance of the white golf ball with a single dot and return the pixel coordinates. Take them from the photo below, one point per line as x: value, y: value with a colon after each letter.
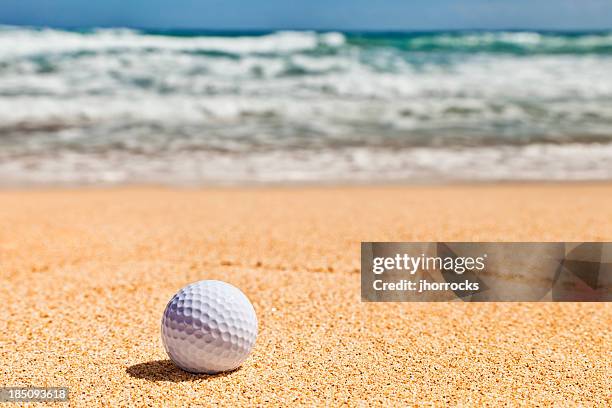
x: 209, y: 327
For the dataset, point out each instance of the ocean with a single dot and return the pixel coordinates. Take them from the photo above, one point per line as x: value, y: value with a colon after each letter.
x: 117, y: 106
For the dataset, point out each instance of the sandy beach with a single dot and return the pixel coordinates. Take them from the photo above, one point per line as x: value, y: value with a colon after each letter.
x: 86, y: 274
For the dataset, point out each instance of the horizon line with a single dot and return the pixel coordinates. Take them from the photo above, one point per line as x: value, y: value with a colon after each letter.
x: 316, y: 29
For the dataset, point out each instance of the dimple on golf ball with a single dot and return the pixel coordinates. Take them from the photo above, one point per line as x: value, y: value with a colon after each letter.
x: 209, y: 327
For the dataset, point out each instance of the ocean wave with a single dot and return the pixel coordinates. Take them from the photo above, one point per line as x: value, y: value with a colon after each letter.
x: 252, y: 97
x: 18, y: 43
x: 176, y: 124
x: 520, y: 43
x: 23, y: 42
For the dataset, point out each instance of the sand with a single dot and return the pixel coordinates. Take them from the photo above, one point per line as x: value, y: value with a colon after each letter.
x: 86, y: 274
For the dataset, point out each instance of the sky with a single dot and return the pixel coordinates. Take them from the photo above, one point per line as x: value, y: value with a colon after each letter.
x: 312, y: 14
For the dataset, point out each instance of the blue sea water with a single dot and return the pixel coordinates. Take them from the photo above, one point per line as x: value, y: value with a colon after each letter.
x: 200, y: 107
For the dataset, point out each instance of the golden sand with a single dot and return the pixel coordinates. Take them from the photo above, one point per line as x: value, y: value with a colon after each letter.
x: 86, y: 275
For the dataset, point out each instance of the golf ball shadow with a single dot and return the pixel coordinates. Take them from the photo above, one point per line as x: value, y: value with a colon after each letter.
x: 167, y: 370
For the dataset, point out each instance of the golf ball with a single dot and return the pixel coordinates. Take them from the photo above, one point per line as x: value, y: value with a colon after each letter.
x: 209, y: 327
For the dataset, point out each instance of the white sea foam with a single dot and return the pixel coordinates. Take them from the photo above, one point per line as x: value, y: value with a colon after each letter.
x: 349, y: 165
